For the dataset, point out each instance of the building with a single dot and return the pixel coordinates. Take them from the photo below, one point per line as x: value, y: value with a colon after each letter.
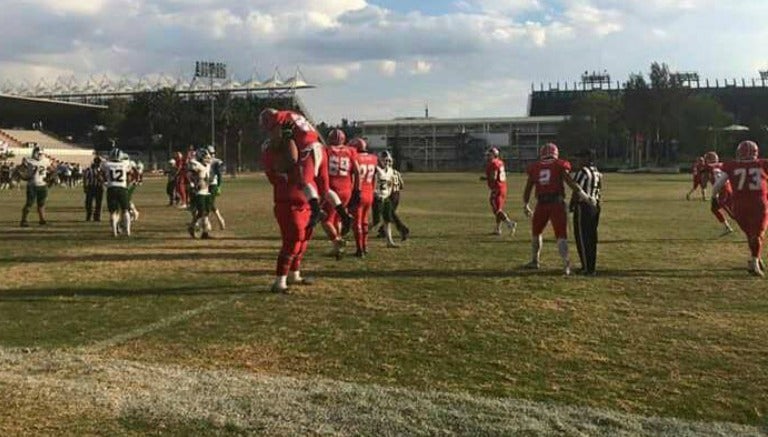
x: 744, y: 99
x: 435, y: 144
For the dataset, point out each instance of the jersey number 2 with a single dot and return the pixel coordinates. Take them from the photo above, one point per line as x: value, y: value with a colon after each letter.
x: 545, y: 175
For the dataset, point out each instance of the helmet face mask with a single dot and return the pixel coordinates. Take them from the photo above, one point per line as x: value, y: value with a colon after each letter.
x: 493, y: 152
x: 267, y: 119
x: 359, y: 144
x: 386, y: 158
x: 711, y: 158
x: 747, y: 151
x: 203, y: 155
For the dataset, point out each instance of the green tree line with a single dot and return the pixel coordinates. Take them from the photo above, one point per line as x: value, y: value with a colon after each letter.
x: 654, y: 120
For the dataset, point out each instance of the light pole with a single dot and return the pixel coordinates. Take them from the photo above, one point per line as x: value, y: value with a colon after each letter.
x: 211, y: 71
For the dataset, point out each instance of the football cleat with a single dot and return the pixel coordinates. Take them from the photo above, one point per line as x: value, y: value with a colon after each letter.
x: 512, y: 225
x: 726, y: 231
x: 360, y: 254
x: 533, y: 265
x: 405, y: 234
x: 279, y: 288
x: 754, y: 268
x: 24, y: 224
x: 301, y: 281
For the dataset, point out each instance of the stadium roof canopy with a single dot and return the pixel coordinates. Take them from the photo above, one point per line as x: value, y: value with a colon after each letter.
x: 104, y: 87
x: 30, y: 108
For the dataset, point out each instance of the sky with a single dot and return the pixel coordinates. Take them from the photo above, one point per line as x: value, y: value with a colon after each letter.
x: 380, y: 59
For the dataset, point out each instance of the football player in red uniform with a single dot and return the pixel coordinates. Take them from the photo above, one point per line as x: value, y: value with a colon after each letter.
x: 548, y: 175
x: 293, y: 214
x: 181, y: 180
x: 496, y: 178
x: 699, y: 178
x: 342, y: 177
x: 299, y: 145
x: 721, y: 203
x: 362, y: 197
x: 748, y: 176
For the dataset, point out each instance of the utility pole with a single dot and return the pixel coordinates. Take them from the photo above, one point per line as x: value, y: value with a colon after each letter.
x: 211, y: 71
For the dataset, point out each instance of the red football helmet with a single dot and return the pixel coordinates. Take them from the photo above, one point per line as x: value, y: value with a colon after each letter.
x: 359, y: 144
x: 336, y: 137
x: 268, y: 118
x: 549, y: 151
x: 711, y: 158
x: 747, y: 150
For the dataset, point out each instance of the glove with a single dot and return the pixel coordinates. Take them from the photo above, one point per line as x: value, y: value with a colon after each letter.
x: 592, y: 201
x: 527, y: 210
x: 315, y: 216
x: 354, y: 201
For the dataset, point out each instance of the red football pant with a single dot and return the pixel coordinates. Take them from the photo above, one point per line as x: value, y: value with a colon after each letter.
x: 554, y: 212
x: 361, y: 224
x: 332, y: 219
x: 293, y: 221
x: 723, y: 203
x: 497, y: 200
x: 181, y: 188
x: 752, y: 218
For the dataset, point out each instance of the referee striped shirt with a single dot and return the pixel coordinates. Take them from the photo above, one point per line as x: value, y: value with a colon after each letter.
x: 590, y: 180
x: 91, y: 177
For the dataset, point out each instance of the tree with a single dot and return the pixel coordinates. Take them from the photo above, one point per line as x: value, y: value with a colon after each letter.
x: 596, y: 122
x: 701, y: 120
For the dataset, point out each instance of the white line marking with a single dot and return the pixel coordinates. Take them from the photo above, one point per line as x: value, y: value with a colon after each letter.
x: 160, y: 324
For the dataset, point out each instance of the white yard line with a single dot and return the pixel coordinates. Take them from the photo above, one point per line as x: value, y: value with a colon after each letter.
x: 254, y: 403
x: 160, y: 324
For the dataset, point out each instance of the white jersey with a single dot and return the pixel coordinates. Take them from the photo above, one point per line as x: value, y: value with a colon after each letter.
x: 384, y: 182
x: 116, y: 173
x: 201, y: 176
x: 37, y: 170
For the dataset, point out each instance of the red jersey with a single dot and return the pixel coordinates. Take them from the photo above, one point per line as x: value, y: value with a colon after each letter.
x: 749, y: 179
x: 342, y: 163
x: 285, y: 186
x: 495, y: 175
x: 547, y: 176
x: 303, y: 132
x: 366, y: 167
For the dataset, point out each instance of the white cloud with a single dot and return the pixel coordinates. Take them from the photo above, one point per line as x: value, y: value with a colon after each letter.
x: 421, y: 67
x: 388, y: 67
x: 86, y: 7
x: 351, y: 48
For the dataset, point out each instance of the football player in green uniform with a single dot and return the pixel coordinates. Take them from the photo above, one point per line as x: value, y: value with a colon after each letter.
x: 35, y: 170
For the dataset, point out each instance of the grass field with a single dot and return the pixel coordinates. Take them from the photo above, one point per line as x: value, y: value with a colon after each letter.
x: 162, y: 334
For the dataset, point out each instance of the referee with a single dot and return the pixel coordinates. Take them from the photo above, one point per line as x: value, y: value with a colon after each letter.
x: 93, y: 187
x: 586, y: 215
